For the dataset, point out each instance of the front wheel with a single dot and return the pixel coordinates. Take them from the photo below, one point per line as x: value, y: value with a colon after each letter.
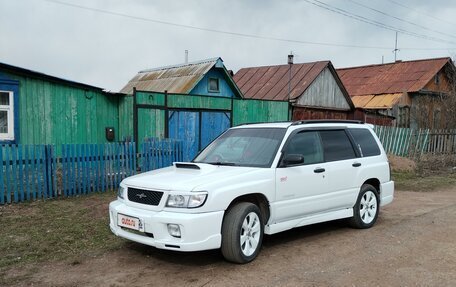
x: 365, y: 211
x: 242, y: 233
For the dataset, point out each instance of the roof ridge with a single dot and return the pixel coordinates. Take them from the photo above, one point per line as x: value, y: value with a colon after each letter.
x: 296, y: 64
x: 393, y: 63
x: 181, y: 65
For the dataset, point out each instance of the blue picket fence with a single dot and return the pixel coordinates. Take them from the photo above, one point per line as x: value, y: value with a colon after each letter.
x: 31, y: 172
x: 157, y: 153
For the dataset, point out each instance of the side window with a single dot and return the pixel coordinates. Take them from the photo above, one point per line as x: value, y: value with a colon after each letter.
x: 336, y: 145
x: 213, y: 85
x: 367, y: 143
x: 308, y: 145
x: 6, y: 115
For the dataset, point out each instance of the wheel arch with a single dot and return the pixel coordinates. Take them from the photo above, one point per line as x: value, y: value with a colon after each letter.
x: 374, y: 182
x: 258, y: 199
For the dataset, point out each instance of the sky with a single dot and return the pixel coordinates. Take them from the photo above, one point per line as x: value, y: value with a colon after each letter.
x: 106, y: 42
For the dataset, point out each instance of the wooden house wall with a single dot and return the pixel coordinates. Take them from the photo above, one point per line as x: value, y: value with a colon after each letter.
x: 202, y: 88
x: 324, y: 92
x: 304, y: 113
x: 443, y: 84
x: 52, y: 113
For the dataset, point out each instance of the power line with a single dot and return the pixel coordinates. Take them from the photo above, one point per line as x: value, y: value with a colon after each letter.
x: 400, y: 19
x: 422, y: 13
x: 245, y: 35
x: 372, y: 22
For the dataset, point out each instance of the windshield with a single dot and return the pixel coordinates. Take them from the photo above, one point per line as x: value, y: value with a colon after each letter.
x: 254, y: 147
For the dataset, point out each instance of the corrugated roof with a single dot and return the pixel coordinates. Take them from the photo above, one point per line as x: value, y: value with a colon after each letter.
x: 384, y: 101
x: 398, y: 77
x: 174, y: 79
x: 271, y: 82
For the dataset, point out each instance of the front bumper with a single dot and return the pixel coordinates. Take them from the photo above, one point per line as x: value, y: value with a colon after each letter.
x: 200, y: 231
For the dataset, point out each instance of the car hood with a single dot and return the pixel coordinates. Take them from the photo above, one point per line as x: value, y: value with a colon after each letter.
x: 185, y: 176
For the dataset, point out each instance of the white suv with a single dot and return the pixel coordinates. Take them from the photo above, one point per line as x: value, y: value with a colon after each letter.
x: 256, y: 179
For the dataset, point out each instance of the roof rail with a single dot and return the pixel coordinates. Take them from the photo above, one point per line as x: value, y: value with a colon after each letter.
x: 252, y: 123
x: 326, y: 122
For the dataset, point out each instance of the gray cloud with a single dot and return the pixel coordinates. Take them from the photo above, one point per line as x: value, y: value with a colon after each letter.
x: 106, y: 50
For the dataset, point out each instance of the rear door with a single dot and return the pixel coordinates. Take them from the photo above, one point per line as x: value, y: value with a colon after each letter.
x: 341, y: 163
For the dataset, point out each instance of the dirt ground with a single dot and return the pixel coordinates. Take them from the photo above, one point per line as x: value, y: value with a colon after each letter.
x: 412, y: 244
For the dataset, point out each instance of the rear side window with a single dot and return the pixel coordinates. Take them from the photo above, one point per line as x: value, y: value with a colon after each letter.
x: 336, y: 145
x: 366, y: 141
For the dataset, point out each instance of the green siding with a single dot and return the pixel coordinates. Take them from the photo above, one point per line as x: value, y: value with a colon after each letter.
x: 254, y: 111
x: 148, y: 98
x: 52, y: 113
x: 126, y: 118
x: 198, y: 102
x: 151, y: 123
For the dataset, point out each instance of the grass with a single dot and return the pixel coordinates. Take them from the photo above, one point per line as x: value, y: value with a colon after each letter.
x: 55, y: 230
x: 414, y: 182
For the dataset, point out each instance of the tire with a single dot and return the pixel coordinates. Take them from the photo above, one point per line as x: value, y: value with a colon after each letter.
x: 366, y: 208
x: 242, y: 233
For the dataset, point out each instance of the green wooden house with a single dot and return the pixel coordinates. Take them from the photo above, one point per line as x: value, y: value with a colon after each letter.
x: 36, y: 108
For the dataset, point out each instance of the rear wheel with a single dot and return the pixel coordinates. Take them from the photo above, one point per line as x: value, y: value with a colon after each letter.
x: 365, y: 211
x: 242, y: 233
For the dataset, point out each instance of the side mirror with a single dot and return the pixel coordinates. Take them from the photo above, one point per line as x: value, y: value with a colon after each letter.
x: 292, y: 159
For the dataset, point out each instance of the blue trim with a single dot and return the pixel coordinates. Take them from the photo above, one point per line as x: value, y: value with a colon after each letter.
x: 12, y: 85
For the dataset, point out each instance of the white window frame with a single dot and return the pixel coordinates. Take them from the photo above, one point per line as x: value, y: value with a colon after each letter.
x: 10, y: 115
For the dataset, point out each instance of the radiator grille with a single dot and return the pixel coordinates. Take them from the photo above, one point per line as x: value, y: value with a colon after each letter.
x: 149, y: 197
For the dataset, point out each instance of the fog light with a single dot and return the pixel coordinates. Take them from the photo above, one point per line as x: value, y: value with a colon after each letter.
x: 174, y: 230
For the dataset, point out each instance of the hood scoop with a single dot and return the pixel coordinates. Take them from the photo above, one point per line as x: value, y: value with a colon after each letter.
x: 187, y: 165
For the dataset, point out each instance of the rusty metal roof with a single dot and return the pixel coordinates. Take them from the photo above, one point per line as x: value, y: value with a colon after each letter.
x: 384, y: 101
x: 271, y: 82
x: 398, y: 77
x: 179, y: 79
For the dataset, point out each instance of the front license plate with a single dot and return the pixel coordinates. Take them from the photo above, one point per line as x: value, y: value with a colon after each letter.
x: 130, y: 222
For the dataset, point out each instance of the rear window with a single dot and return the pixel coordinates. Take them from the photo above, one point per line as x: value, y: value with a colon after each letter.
x: 336, y: 145
x: 366, y: 141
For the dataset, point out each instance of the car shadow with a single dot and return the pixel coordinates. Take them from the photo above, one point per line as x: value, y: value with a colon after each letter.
x: 214, y: 257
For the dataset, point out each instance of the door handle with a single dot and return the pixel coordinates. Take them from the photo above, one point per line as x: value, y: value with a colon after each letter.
x: 356, y: 164
x: 319, y: 170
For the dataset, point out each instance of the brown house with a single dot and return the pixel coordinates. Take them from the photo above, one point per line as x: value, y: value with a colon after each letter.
x: 313, y: 89
x: 405, y: 93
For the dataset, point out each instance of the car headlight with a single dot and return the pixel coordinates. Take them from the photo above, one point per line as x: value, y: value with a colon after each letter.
x: 120, y: 192
x: 186, y: 200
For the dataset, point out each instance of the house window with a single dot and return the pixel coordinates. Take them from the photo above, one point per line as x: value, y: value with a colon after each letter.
x: 6, y: 115
x: 437, y: 79
x: 213, y: 85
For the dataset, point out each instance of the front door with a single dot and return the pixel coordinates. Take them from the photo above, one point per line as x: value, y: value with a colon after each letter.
x: 301, y: 189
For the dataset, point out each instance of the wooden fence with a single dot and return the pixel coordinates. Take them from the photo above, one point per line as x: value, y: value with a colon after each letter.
x: 441, y: 142
x: 31, y: 172
x: 415, y: 142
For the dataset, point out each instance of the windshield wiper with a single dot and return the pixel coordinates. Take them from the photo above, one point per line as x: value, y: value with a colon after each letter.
x: 222, y: 163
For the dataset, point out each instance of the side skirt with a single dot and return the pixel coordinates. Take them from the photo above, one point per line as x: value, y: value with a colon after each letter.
x: 312, y: 219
